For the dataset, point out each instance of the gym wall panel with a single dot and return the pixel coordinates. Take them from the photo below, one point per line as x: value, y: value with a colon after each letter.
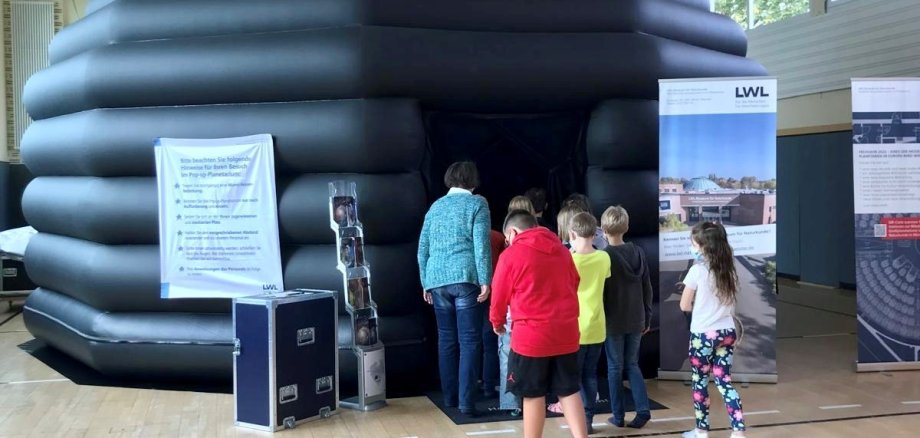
x: 789, y: 179
x: 823, y: 181
x: 864, y: 38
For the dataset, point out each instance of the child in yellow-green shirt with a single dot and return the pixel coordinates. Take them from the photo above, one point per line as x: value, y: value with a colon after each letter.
x: 593, y: 269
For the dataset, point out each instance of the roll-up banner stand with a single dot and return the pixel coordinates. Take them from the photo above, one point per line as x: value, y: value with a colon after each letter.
x: 886, y: 190
x: 218, y: 217
x: 718, y: 164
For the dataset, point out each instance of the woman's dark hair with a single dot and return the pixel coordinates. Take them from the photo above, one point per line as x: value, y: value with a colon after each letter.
x: 713, y: 242
x: 578, y: 201
x: 462, y: 174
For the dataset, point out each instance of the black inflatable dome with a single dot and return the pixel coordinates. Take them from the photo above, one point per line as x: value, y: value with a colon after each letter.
x: 383, y: 92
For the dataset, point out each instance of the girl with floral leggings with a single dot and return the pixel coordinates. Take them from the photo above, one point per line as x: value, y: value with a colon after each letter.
x: 710, y: 291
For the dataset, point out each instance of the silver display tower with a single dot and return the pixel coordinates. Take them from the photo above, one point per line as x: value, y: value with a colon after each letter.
x: 365, y: 342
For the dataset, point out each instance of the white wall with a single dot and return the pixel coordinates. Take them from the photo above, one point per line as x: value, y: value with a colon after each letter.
x: 856, y: 38
x: 73, y: 10
x: 820, y: 112
x: 814, y: 57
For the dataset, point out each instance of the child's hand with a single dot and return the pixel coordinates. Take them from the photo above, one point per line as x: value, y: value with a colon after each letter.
x: 499, y: 330
x: 427, y: 297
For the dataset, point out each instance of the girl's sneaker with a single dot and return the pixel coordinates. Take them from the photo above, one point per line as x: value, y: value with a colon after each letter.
x: 555, y: 408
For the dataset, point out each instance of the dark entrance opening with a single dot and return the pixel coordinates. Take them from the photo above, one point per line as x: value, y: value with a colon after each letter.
x: 513, y: 153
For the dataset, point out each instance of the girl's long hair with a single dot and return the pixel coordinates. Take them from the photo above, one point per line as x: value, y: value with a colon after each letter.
x: 713, y: 241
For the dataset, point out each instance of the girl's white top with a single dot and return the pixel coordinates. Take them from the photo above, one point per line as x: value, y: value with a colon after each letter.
x: 709, y: 314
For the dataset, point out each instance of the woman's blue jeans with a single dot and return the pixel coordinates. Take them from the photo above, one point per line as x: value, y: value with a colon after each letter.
x: 459, y: 318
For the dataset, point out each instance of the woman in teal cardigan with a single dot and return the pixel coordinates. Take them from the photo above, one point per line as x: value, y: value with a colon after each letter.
x: 455, y: 262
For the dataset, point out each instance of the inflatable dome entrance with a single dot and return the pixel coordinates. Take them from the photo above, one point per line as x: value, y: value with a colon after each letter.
x: 382, y: 92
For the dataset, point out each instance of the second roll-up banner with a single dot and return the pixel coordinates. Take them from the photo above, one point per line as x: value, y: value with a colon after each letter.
x: 886, y: 189
x: 718, y: 164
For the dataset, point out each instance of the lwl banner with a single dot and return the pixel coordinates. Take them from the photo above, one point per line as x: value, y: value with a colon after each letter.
x: 886, y: 187
x: 218, y: 217
x: 718, y: 164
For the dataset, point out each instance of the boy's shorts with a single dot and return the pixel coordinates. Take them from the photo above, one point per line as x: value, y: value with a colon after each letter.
x: 530, y: 377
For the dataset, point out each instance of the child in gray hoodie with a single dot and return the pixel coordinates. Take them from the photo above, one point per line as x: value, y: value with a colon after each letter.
x: 628, y: 310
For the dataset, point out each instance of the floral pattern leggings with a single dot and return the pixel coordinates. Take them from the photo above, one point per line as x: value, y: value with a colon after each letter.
x: 711, y: 353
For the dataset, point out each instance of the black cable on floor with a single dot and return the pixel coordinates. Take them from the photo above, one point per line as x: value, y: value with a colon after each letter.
x: 11, y: 317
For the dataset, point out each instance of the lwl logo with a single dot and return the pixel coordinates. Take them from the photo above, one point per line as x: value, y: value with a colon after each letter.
x: 741, y: 92
x: 269, y: 287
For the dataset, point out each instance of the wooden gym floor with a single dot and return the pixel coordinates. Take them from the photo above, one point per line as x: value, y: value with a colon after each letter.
x: 818, y: 395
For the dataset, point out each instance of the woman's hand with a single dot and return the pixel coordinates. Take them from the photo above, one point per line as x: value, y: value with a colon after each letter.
x: 427, y: 297
x: 486, y: 290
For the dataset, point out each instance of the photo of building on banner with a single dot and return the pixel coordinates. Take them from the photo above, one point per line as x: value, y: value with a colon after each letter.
x: 718, y: 164
x: 886, y: 189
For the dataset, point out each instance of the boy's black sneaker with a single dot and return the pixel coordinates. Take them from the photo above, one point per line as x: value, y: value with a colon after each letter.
x: 617, y: 423
x: 639, y: 422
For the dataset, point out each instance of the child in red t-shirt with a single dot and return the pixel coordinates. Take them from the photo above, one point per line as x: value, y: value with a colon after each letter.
x: 537, y: 277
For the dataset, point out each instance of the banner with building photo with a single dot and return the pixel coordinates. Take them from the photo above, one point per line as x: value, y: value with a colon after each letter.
x: 886, y: 189
x: 218, y: 217
x: 718, y: 164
